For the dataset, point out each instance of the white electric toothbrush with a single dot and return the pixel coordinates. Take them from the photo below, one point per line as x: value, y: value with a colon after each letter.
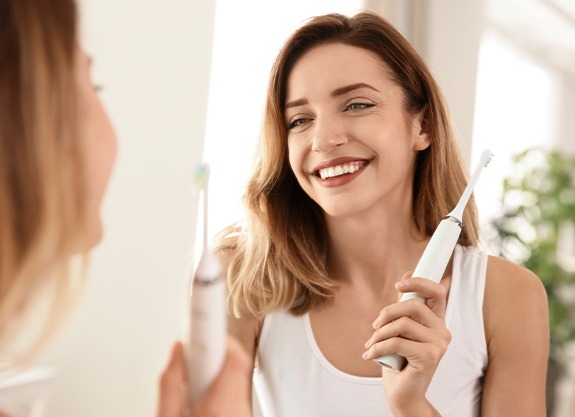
x: 438, y: 252
x: 207, y: 321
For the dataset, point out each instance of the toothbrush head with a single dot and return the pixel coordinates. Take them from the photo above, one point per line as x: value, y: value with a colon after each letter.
x: 201, y: 174
x: 457, y: 212
x: 486, y: 157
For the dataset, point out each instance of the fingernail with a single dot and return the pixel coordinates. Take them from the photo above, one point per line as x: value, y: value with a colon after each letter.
x: 376, y: 324
x: 400, y: 285
x: 365, y: 355
x: 368, y: 344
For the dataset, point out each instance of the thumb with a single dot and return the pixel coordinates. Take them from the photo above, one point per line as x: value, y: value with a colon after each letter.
x: 172, y: 383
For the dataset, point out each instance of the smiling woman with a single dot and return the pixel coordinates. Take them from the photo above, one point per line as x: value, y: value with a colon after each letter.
x: 357, y: 166
x: 366, y: 118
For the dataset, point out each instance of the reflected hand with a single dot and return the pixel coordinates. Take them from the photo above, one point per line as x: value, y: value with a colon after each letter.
x: 229, y: 395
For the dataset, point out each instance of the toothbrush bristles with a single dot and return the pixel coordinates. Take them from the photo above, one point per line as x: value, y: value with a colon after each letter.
x: 486, y: 157
x: 201, y: 174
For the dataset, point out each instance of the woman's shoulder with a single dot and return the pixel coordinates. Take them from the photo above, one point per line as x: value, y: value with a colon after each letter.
x: 504, y: 275
x: 514, y: 295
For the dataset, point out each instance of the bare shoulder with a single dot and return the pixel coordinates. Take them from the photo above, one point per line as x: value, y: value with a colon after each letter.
x: 513, y: 295
x: 505, y: 278
x: 246, y: 329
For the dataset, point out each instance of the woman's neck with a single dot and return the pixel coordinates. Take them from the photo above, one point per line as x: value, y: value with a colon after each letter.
x: 374, y: 249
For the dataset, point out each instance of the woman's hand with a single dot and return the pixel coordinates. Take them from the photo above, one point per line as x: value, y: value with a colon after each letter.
x: 229, y: 396
x: 416, y: 331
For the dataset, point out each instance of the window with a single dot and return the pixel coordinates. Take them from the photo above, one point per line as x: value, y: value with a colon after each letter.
x: 515, y: 108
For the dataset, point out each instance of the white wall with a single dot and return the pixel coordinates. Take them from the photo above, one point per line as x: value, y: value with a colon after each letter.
x: 452, y: 53
x: 152, y: 57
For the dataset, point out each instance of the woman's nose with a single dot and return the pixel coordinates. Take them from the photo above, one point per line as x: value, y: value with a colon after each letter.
x: 327, y: 135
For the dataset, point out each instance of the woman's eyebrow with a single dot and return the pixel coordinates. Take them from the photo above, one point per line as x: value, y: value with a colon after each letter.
x: 337, y: 92
x: 295, y: 103
x: 351, y: 87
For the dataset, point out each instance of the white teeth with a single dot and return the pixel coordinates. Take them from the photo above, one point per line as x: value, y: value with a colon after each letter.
x: 338, y: 170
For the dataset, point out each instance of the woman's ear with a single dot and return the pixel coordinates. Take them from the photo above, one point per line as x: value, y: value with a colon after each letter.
x: 421, y: 133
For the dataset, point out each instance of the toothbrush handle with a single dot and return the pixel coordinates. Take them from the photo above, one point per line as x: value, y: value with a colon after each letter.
x: 431, y: 266
x: 206, y: 346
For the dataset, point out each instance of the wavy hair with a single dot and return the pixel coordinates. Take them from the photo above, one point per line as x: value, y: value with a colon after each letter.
x: 277, y: 259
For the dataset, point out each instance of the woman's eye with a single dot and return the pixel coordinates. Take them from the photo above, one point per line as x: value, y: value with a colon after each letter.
x: 296, y: 123
x: 359, y: 106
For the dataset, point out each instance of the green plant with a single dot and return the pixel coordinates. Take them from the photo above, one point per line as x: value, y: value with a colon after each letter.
x: 537, y: 229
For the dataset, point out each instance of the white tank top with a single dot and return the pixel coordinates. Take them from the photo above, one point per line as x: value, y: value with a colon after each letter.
x: 294, y: 379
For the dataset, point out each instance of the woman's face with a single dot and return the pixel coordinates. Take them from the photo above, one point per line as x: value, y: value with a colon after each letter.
x: 101, y: 146
x: 352, y: 144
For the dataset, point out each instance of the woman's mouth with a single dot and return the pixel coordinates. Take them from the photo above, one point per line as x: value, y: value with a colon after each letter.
x: 340, y: 169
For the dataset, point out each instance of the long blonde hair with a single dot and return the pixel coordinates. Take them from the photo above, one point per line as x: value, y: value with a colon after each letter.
x: 42, y: 175
x: 278, y: 259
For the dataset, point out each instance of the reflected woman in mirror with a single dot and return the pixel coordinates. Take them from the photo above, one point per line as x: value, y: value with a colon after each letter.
x: 357, y: 165
x: 57, y: 151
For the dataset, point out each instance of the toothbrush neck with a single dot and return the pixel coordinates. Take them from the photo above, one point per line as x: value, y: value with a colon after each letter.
x: 454, y: 219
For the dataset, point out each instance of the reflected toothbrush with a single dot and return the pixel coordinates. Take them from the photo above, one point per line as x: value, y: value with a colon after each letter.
x: 207, y: 320
x: 438, y: 252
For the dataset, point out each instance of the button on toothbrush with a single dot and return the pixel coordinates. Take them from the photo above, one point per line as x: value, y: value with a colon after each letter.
x: 438, y: 252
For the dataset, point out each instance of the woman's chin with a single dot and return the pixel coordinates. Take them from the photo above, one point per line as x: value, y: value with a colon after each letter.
x: 95, y: 236
x: 92, y: 238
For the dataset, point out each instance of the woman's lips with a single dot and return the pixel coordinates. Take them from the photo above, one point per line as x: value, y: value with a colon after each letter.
x: 338, y: 173
x: 340, y: 169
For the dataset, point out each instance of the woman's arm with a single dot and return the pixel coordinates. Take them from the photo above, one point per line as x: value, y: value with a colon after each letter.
x: 246, y: 331
x: 517, y: 333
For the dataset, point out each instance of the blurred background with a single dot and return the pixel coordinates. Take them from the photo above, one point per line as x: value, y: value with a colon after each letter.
x: 184, y: 81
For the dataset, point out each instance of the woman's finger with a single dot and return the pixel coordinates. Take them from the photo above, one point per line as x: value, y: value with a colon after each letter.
x: 392, y: 338
x: 413, y: 309
x: 435, y: 294
x: 405, y: 328
x: 172, y: 384
x: 419, y: 355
